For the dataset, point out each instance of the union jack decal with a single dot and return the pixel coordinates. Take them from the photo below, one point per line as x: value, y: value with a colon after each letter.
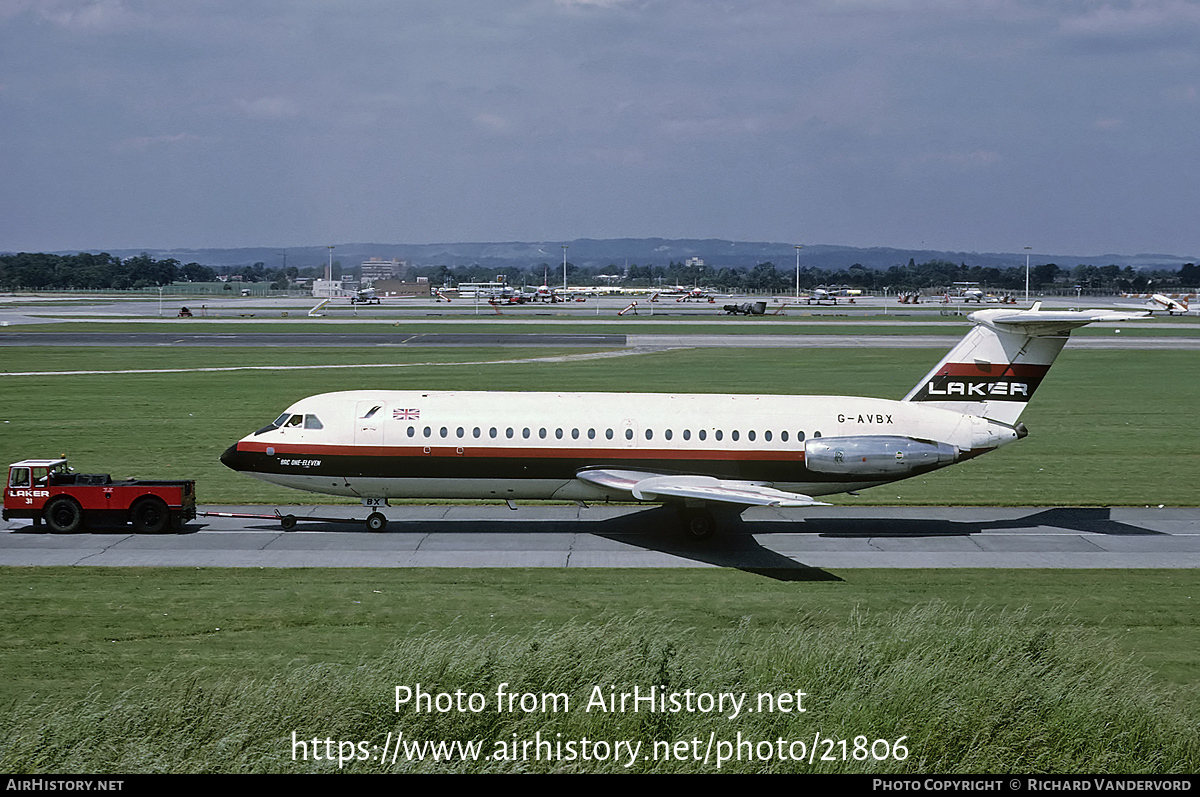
x: 406, y: 415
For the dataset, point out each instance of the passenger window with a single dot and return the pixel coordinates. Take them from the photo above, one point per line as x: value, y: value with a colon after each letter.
x: 542, y: 433
x: 628, y: 434
x: 558, y: 433
x: 475, y: 432
x: 767, y: 435
x: 750, y: 435
x: 799, y: 437
x: 459, y: 432
x: 734, y: 434
x: 443, y: 431
x: 591, y: 434
x: 783, y: 436
x: 703, y: 434
x: 574, y: 434
x: 649, y: 434
x: 508, y: 432
x: 687, y: 434
x: 412, y: 431
x: 492, y: 432
x: 667, y: 434
x: 608, y: 433
x: 525, y: 433
x: 816, y: 434
x: 428, y: 431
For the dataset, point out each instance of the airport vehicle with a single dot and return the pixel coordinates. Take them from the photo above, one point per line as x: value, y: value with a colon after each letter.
x: 746, y: 308
x: 47, y: 489
x: 693, y: 451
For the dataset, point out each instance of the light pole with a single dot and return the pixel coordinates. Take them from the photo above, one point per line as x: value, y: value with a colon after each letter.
x: 798, y: 248
x: 564, y: 248
x: 1027, y: 274
x: 329, y: 274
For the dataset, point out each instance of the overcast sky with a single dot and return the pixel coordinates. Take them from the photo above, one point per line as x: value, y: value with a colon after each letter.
x: 975, y: 125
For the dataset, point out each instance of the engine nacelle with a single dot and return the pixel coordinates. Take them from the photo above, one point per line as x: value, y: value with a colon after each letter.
x: 876, y: 455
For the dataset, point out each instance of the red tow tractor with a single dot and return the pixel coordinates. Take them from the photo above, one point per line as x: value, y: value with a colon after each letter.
x: 47, y: 489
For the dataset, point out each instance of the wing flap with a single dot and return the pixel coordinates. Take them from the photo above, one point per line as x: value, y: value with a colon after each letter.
x: 656, y: 487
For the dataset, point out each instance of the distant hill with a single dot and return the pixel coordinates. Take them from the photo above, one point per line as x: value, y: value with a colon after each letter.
x: 598, y: 253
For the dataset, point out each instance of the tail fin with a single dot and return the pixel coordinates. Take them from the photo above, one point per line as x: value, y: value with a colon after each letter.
x: 995, y: 369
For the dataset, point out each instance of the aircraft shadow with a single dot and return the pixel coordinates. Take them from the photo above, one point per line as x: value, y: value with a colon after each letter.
x: 1094, y: 520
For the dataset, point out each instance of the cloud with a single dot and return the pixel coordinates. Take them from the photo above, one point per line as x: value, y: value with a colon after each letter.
x: 147, y: 142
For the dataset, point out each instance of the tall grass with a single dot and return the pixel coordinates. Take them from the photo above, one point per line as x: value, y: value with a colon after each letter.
x: 967, y: 691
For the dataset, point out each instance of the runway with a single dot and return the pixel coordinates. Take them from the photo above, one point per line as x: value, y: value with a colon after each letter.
x: 781, y: 543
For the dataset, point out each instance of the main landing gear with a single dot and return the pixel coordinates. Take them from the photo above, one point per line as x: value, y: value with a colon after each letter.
x: 698, y: 522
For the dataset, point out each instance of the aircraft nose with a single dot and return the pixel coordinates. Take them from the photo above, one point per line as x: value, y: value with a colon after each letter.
x: 232, y: 458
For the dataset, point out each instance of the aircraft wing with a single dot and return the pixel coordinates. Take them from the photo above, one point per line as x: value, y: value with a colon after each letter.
x: 656, y: 487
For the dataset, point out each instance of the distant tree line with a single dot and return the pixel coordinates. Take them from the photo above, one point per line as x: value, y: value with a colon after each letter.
x: 37, y: 271
x: 769, y: 278
x: 104, y: 271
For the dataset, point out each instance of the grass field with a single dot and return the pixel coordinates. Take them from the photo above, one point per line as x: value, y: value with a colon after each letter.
x: 113, y: 670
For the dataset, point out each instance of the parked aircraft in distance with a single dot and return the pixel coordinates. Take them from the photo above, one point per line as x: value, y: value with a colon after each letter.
x: 1160, y: 301
x: 689, y: 450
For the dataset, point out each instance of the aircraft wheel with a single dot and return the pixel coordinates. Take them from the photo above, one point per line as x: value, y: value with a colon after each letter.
x: 288, y: 522
x: 699, y: 524
x: 376, y: 522
x: 150, y: 516
x: 64, y: 515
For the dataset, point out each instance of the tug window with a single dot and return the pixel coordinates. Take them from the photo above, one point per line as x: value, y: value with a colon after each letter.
x: 19, y: 478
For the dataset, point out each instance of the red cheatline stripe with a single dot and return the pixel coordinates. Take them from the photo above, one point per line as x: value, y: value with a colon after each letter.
x: 310, y: 451
x: 1023, y: 370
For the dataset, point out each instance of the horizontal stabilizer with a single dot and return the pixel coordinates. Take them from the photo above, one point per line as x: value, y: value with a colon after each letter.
x: 655, y: 487
x: 1036, y: 322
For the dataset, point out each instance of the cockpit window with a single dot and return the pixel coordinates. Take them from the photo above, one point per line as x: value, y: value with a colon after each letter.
x: 312, y: 422
x: 295, y: 420
x: 275, y: 424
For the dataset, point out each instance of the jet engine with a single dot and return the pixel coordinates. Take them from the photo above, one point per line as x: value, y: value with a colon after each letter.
x: 876, y: 455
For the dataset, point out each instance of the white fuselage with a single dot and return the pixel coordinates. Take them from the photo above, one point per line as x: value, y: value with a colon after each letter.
x: 458, y: 444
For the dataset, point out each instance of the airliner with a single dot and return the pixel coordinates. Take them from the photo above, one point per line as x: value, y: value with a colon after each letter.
x: 693, y: 451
